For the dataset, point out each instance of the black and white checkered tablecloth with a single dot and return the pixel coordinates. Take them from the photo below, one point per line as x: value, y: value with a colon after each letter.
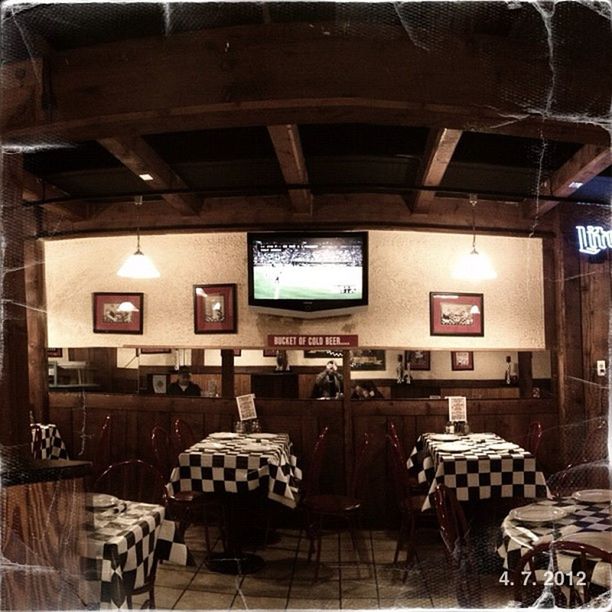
x: 480, y: 473
x: 119, y: 550
x: 235, y: 467
x: 53, y: 446
x: 518, y: 538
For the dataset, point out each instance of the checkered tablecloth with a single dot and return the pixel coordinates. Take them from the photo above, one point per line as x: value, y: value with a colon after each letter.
x: 119, y: 550
x: 517, y: 539
x: 480, y: 473
x: 235, y: 468
x: 53, y: 446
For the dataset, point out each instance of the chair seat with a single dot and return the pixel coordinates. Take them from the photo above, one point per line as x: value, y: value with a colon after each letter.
x: 332, y: 504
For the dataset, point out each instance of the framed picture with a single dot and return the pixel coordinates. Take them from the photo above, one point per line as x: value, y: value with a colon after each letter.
x: 269, y: 352
x: 158, y: 383
x: 55, y: 352
x: 237, y: 352
x: 418, y: 360
x: 456, y: 314
x: 462, y: 360
x: 214, y: 309
x: 368, y: 360
x: 153, y: 351
x: 322, y: 354
x: 118, y: 313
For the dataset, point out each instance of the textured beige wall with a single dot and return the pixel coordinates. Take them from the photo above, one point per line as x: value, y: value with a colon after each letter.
x: 404, y: 268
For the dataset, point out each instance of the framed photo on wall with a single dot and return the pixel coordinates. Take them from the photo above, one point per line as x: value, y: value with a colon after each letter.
x: 462, y: 360
x: 269, y: 352
x: 456, y: 314
x: 418, y: 360
x: 55, y: 352
x: 118, y: 313
x: 158, y: 383
x: 214, y: 309
x: 368, y: 360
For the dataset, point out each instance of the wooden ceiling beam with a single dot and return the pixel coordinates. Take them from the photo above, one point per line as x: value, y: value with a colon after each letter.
x: 587, y: 163
x: 272, y: 74
x: 439, y: 151
x: 288, y: 148
x: 139, y: 157
x: 35, y: 188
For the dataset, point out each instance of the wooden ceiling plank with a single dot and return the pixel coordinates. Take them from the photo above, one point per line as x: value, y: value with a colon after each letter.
x: 587, y: 163
x: 288, y: 148
x: 139, y: 157
x: 35, y: 188
x: 439, y: 151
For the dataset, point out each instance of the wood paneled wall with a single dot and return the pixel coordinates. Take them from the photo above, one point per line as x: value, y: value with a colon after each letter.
x: 80, y: 420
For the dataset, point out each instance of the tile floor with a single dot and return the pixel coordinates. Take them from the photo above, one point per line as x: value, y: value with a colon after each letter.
x: 287, y: 580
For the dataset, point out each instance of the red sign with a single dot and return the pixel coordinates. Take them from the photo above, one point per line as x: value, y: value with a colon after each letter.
x: 313, y: 342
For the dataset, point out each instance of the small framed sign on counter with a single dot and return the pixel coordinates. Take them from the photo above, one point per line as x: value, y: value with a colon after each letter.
x: 457, y: 408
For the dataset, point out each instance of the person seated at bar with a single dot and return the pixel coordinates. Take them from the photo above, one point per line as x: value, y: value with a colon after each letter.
x: 183, y: 385
x: 366, y: 390
x: 329, y: 383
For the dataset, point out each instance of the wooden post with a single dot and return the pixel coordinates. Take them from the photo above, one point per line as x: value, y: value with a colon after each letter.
x: 525, y: 373
x: 347, y: 419
x: 227, y: 373
x: 14, y: 388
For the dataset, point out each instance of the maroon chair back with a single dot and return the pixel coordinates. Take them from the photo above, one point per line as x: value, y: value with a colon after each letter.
x: 183, y: 435
x: 163, y: 451
x: 102, y: 454
x: 399, y: 469
x: 310, y: 484
x: 451, y: 519
x: 133, y: 480
x: 37, y: 441
x: 534, y: 437
x: 358, y: 481
x: 393, y: 433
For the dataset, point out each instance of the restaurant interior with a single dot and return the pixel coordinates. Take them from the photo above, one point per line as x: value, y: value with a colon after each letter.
x: 305, y: 305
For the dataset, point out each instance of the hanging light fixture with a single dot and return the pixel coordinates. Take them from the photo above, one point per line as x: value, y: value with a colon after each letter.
x: 474, y: 266
x: 138, y: 265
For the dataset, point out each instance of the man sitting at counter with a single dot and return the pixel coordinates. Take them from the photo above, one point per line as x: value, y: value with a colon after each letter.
x: 183, y: 385
x: 329, y: 383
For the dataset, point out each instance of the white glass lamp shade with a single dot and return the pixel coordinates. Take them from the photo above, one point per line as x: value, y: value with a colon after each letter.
x: 138, y: 265
x: 127, y: 307
x: 474, y: 266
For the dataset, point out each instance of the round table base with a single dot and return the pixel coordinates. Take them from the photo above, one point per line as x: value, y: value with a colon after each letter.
x: 246, y: 563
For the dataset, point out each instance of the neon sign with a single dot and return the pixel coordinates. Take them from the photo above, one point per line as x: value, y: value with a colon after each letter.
x: 593, y: 239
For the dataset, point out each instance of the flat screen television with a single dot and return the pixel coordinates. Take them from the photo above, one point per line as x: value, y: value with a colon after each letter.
x: 308, y: 274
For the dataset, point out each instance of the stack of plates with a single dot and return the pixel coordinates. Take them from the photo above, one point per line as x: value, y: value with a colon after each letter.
x: 537, y: 513
x: 100, y: 501
x: 593, y: 496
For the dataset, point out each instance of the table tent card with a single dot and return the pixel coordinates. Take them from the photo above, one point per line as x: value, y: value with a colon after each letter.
x: 457, y: 408
x: 246, y: 407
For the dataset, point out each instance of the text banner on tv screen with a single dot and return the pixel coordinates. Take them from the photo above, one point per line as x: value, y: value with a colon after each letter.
x: 312, y: 341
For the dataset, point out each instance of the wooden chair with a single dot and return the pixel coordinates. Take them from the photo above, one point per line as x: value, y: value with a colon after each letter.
x: 137, y: 481
x: 102, y: 454
x: 534, y: 438
x: 310, y: 482
x: 182, y: 435
x: 454, y: 533
x: 541, y: 564
x: 185, y: 507
x: 404, y: 501
x: 345, y: 508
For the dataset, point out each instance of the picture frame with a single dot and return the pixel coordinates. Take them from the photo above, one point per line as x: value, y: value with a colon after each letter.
x: 269, y: 352
x: 55, y: 352
x: 215, y: 309
x: 322, y: 354
x: 462, y: 360
x: 153, y: 351
x: 237, y: 352
x: 158, y: 383
x: 109, y: 319
x: 456, y: 314
x: 418, y: 360
x: 368, y: 360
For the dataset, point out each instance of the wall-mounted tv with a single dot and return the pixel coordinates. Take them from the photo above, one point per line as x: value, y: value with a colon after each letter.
x: 308, y: 274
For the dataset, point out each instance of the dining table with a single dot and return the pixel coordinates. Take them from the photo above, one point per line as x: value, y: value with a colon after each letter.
x: 52, y: 445
x: 123, y: 542
x: 234, y: 466
x: 476, y: 466
x: 578, y: 519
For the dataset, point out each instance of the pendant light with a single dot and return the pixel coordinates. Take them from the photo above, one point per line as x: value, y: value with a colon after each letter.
x: 474, y: 266
x: 138, y: 265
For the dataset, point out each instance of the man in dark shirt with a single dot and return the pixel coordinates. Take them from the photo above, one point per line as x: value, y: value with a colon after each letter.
x: 183, y: 385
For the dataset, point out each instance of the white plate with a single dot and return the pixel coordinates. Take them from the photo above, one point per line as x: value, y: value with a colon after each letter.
x: 454, y: 447
x: 223, y: 435
x: 444, y: 437
x: 502, y: 446
x: 101, y: 500
x: 482, y: 436
x: 263, y: 436
x: 593, y: 496
x: 599, y: 539
x: 536, y: 513
x: 210, y: 446
x: 255, y: 448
